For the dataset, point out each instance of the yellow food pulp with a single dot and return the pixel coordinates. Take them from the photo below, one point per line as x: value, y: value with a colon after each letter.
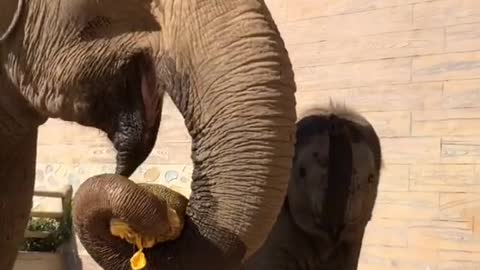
x: 138, y: 260
x: 123, y: 230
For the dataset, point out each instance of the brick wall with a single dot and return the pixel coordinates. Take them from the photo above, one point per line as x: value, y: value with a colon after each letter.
x: 412, y: 67
x: 70, y: 153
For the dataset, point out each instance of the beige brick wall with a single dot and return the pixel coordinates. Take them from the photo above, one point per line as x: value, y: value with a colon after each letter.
x: 69, y: 153
x: 413, y: 68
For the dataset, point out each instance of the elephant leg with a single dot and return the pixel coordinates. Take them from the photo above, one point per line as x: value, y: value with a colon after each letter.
x: 17, y: 177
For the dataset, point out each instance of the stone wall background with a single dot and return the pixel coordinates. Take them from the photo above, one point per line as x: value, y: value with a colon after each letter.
x: 412, y: 67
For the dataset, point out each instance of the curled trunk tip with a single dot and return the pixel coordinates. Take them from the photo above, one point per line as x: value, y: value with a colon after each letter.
x: 105, y: 197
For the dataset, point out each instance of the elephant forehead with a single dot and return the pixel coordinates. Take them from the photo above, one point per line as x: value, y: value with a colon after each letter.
x: 318, y: 146
x: 107, y: 16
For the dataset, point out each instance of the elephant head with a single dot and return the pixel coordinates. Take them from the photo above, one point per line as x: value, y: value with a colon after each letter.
x: 334, y: 182
x: 108, y: 63
x: 336, y: 170
x: 331, y: 194
x: 65, y: 71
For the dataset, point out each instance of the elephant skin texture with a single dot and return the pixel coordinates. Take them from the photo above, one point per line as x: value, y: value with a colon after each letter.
x: 330, y: 198
x: 107, y: 64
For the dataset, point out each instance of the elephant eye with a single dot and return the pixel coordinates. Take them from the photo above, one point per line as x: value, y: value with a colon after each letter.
x: 371, y: 179
x: 322, y: 162
x: 93, y: 27
x: 303, y: 172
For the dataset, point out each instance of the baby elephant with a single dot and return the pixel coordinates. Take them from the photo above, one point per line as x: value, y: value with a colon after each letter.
x: 331, y: 195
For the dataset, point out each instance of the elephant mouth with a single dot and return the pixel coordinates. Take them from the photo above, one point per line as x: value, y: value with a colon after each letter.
x: 136, y: 125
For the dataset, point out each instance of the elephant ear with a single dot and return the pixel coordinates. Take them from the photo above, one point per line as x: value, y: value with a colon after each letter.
x: 9, y: 18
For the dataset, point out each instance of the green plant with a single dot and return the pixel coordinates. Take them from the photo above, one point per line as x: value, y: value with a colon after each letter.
x: 59, y: 233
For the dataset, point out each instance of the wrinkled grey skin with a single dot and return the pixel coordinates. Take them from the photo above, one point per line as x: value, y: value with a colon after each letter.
x: 107, y: 64
x: 330, y: 198
x: 124, y: 103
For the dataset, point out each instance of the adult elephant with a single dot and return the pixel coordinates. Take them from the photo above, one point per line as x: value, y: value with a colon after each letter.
x: 107, y: 64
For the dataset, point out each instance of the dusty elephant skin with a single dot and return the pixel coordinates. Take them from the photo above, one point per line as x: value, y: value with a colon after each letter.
x: 330, y: 197
x: 159, y: 215
x: 18, y: 141
x: 107, y: 64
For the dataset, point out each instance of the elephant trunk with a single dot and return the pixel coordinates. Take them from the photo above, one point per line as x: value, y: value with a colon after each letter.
x: 240, y: 112
x: 236, y: 93
x: 103, y: 197
x: 242, y: 122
